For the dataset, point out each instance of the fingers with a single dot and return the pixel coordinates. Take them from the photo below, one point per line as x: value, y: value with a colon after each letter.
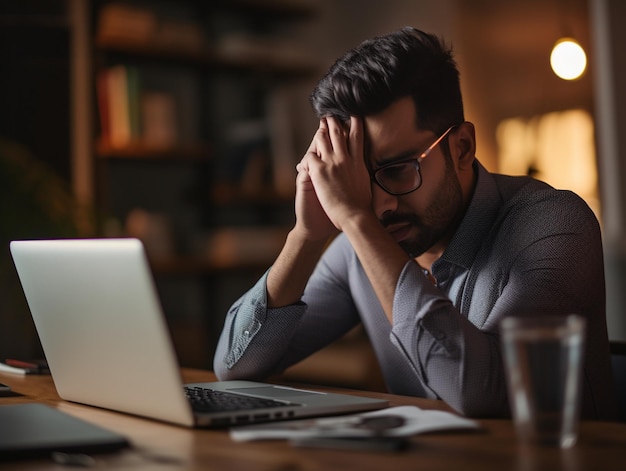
x: 320, y: 145
x: 303, y: 167
x: 334, y: 138
x: 313, y: 145
x: 322, y: 139
x: 337, y: 134
x: 355, y: 139
x: 313, y: 150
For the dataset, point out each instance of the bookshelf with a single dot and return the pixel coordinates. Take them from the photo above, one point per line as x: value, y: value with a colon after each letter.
x: 192, y: 149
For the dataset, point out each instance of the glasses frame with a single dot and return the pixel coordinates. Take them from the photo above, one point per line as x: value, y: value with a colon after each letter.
x: 416, y: 163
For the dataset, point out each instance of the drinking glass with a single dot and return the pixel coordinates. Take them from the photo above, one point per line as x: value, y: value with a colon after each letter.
x: 543, y: 359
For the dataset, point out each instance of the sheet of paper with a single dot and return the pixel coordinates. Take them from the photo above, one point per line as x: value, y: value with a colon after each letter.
x: 399, y: 421
x: 4, y: 368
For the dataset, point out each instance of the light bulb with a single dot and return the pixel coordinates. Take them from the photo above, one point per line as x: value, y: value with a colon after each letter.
x: 568, y: 59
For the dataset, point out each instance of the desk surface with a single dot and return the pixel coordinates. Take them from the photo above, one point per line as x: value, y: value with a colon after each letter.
x: 159, y: 446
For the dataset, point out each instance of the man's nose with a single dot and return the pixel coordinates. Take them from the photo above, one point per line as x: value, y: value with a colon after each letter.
x: 382, y: 202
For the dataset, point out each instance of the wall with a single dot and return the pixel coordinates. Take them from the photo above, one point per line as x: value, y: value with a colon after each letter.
x: 610, y: 98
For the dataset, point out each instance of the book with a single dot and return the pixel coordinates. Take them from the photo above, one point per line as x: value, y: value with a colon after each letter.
x: 102, y: 95
x: 119, y: 95
x: 158, y: 116
x: 121, y: 22
x: 133, y: 90
x: 119, y: 115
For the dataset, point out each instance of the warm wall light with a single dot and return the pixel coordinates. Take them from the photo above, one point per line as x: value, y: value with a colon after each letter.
x: 558, y: 148
x: 568, y: 59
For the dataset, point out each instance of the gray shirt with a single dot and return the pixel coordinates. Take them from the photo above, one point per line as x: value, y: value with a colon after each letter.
x: 522, y: 248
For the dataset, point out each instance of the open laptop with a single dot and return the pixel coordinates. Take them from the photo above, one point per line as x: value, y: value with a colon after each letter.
x: 102, y: 329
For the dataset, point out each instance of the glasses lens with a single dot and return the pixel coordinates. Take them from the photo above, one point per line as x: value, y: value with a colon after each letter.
x: 399, y: 178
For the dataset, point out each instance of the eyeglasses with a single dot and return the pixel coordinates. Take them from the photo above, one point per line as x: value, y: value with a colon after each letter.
x: 400, y: 178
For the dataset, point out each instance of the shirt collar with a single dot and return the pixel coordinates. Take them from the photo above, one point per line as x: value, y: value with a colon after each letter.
x: 477, y: 222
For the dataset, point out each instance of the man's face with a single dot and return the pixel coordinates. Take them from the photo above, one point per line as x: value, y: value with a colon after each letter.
x: 426, y: 218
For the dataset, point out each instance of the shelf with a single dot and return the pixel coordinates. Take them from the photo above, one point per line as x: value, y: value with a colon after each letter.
x: 151, y: 50
x: 260, y: 63
x: 179, y: 90
x: 195, y: 266
x: 183, y: 153
x: 265, y: 65
x: 274, y: 8
x: 224, y: 194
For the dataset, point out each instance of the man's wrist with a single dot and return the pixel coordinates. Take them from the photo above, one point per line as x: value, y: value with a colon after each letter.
x: 360, y: 221
x: 303, y: 237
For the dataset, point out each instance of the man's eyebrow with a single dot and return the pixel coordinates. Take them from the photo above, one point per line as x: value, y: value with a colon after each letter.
x: 401, y: 157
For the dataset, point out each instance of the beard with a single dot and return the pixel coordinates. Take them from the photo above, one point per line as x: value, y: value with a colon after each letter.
x: 440, y: 219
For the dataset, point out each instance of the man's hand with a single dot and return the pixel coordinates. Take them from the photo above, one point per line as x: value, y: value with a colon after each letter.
x: 311, y: 220
x: 307, y: 241
x: 336, y: 172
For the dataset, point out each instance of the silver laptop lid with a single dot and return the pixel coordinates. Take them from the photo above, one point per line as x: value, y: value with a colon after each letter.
x: 99, y: 319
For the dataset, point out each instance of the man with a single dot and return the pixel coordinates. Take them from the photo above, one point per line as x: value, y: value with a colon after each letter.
x: 433, y: 250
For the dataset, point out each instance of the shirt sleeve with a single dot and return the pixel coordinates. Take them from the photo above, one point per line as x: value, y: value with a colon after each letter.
x: 247, y: 322
x: 453, y: 359
x: 257, y: 341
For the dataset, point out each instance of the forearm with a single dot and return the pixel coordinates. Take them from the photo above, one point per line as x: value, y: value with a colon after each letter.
x: 454, y: 359
x: 258, y: 341
x: 245, y: 349
x: 292, y: 269
x: 380, y: 255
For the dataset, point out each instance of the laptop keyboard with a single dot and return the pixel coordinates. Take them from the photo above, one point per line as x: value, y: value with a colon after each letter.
x: 209, y: 400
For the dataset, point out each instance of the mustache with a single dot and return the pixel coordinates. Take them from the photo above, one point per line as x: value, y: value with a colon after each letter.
x: 399, y: 219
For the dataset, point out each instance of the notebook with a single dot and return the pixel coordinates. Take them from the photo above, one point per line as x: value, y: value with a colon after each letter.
x: 32, y: 430
x: 103, y: 332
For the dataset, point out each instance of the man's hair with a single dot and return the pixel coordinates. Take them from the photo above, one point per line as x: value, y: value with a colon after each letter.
x: 408, y: 62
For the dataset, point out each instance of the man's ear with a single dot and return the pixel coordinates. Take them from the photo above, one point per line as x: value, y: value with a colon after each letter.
x: 464, y: 145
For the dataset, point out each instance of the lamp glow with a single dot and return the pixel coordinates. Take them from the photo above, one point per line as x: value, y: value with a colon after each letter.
x: 568, y: 59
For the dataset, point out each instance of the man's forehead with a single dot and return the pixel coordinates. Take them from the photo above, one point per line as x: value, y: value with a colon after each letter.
x: 392, y: 131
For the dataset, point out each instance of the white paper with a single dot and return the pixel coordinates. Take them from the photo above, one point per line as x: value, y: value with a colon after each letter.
x: 4, y: 368
x: 415, y: 420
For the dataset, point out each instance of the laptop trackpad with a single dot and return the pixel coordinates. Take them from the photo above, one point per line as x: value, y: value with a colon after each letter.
x: 273, y: 391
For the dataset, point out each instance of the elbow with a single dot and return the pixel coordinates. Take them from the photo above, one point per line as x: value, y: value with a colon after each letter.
x: 220, y: 370
x: 223, y: 369
x: 237, y: 371
x: 223, y: 373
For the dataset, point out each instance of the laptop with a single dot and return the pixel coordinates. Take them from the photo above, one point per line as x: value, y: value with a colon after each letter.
x: 101, y: 326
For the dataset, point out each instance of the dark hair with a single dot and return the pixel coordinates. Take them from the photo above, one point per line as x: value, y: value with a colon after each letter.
x: 408, y: 62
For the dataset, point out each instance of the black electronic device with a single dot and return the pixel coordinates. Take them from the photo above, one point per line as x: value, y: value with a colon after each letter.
x: 34, y: 430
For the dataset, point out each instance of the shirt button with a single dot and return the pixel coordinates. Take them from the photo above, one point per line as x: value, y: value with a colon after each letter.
x: 439, y: 334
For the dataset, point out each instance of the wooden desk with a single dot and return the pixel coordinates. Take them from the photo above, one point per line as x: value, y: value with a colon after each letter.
x: 159, y: 446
